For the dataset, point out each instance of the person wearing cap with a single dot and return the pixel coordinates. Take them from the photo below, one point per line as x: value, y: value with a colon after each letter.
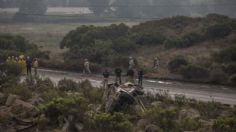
x: 86, y: 66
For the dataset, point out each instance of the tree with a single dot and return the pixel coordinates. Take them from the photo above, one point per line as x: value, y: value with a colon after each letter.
x: 98, y: 6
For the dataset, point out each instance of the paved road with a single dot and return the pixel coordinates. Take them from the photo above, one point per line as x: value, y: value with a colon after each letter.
x: 203, y: 92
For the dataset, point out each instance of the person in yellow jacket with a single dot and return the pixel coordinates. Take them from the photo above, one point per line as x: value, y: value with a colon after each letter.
x: 35, y: 66
x: 8, y: 61
x: 23, y: 65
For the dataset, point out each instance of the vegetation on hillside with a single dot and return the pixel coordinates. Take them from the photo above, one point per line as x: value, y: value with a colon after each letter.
x: 75, y: 106
x: 110, y: 46
x: 14, y: 45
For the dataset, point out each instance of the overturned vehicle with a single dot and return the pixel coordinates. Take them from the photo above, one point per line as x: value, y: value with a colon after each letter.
x: 117, y: 98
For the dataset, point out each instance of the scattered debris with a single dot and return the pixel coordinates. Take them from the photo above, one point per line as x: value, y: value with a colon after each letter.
x: 118, y: 98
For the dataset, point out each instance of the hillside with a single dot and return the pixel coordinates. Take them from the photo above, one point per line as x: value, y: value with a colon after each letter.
x: 192, y: 49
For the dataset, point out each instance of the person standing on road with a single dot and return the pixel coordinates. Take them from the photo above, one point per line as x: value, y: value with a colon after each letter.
x: 140, y: 77
x: 156, y: 63
x: 106, y: 75
x: 118, y: 73
x: 35, y: 66
x: 28, y: 65
x: 87, y: 67
x: 130, y: 75
x: 131, y: 63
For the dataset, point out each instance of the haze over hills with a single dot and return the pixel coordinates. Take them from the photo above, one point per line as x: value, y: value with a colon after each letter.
x: 142, y: 9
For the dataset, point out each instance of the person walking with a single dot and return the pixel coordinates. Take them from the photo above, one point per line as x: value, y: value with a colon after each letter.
x: 28, y: 65
x: 106, y: 75
x: 87, y: 67
x: 156, y: 63
x: 130, y: 75
x: 140, y: 77
x: 118, y: 73
x: 35, y: 66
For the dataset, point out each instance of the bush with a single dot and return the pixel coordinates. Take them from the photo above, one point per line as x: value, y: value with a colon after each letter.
x: 218, y: 31
x: 193, y: 72
x: 226, y: 55
x: 232, y: 79
x: 150, y: 39
x: 230, y: 68
x: 67, y: 85
x: 175, y: 64
x: 21, y: 90
x: 209, y: 110
x: 118, y: 122
x: 184, y: 41
x: 226, y: 123
x: 63, y: 107
x: 94, y: 95
x: 218, y: 76
x: 188, y: 124
x: 164, y: 118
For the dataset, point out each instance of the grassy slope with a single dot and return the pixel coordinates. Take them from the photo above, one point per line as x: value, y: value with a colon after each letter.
x: 199, y: 53
x: 47, y: 36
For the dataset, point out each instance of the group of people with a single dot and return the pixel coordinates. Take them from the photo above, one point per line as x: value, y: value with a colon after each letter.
x: 26, y: 64
x: 130, y: 75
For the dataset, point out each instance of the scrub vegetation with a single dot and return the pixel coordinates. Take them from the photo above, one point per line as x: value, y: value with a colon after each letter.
x: 78, y: 105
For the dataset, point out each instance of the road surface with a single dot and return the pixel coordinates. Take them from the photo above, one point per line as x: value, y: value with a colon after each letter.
x: 202, y: 92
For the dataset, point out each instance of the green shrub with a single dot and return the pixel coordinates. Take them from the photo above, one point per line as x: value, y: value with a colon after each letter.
x: 117, y: 122
x: 49, y: 94
x: 188, y: 124
x: 218, y: 76
x: 184, y: 41
x: 175, y: 64
x: 150, y: 39
x: 232, y: 79
x: 63, y: 107
x: 226, y: 55
x: 164, y: 118
x: 226, y: 123
x: 193, y: 72
x: 209, y: 110
x: 218, y: 31
x: 230, y: 68
x: 94, y: 95
x: 43, y: 85
x: 67, y: 85
x: 13, y: 69
x: 21, y: 90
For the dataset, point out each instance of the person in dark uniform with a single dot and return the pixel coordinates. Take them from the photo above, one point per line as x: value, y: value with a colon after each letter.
x: 28, y: 65
x: 140, y: 77
x: 130, y: 75
x: 106, y: 75
x: 118, y: 73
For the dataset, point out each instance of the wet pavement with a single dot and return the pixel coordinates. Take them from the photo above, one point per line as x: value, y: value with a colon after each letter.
x: 203, y: 92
